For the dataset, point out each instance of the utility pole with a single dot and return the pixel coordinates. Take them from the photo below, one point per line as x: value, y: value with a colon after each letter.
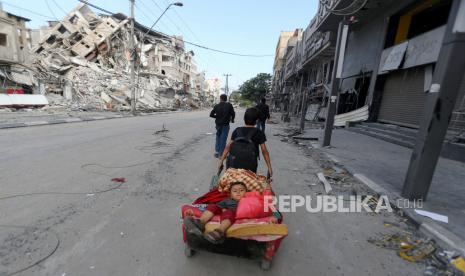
x: 336, y: 75
x: 440, y: 102
x: 132, y: 51
x: 226, y: 88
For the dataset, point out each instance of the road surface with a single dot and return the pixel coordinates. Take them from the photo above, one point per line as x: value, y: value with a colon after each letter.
x: 54, y: 202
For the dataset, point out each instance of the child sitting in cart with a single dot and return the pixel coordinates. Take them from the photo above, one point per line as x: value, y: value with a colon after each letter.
x: 225, y: 208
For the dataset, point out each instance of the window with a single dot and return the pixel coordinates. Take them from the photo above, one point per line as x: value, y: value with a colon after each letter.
x: 429, y: 19
x: 416, y: 20
x: 62, y: 29
x: 330, y: 71
x: 325, y: 72
x: 51, y: 39
x: 111, y: 25
x: 165, y: 58
x: 3, y: 40
x: 391, y: 31
x: 73, y: 19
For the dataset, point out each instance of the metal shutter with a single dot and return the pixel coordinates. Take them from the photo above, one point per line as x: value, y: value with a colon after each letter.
x: 457, y: 123
x: 403, y: 97
x: 460, y: 103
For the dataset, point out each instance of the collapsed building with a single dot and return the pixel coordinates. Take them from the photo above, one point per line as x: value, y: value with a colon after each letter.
x: 83, y: 62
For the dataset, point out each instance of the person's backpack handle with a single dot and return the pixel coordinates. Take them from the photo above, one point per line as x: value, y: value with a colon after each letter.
x: 220, y: 169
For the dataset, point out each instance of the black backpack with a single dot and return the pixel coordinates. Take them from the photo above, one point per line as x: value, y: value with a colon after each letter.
x: 243, y: 153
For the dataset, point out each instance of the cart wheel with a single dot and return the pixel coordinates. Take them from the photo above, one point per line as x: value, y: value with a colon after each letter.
x: 265, y: 264
x: 188, y: 252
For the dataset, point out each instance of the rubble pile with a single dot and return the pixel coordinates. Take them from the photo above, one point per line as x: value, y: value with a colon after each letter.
x: 85, y: 58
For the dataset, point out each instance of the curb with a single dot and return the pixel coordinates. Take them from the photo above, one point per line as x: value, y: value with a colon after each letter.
x: 443, y: 237
x: 77, y: 119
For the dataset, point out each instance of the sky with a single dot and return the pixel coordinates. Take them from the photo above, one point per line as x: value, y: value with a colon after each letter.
x: 239, y: 26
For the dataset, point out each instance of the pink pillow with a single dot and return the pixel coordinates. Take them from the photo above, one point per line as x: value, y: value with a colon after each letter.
x: 251, y: 206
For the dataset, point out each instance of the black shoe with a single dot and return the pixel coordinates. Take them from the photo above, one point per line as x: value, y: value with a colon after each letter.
x: 193, y: 226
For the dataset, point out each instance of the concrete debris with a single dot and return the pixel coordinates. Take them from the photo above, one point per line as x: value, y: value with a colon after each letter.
x: 325, y: 182
x: 83, y: 63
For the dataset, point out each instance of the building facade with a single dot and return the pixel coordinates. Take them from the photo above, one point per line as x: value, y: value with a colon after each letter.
x: 213, y: 89
x: 389, y: 59
x: 14, y: 54
x: 278, y: 65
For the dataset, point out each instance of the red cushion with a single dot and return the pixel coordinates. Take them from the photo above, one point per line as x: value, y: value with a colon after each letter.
x: 251, y: 206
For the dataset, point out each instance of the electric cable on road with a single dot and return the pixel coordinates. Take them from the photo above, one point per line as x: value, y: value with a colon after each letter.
x: 55, y: 248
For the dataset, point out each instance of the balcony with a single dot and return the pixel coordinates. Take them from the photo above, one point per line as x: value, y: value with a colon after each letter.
x: 328, y: 21
x: 289, y: 64
x: 319, y: 43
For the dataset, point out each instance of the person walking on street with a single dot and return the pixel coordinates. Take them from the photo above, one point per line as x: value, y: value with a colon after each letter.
x: 223, y: 114
x: 243, y: 150
x: 263, y: 115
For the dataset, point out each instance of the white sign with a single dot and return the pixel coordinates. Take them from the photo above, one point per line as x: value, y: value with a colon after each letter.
x: 394, y: 57
x: 424, y: 48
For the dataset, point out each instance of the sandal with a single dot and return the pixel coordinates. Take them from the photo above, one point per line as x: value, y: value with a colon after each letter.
x: 193, y: 226
x: 215, y: 236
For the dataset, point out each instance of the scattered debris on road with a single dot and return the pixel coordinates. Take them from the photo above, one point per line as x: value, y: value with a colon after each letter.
x: 432, y: 215
x: 409, y: 247
x: 305, y: 138
x: 325, y: 182
x: 119, y: 179
x: 162, y: 130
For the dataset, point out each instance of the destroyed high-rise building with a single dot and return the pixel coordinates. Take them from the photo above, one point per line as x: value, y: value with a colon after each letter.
x: 83, y: 62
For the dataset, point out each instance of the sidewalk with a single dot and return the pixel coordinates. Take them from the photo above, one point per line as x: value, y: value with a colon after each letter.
x: 383, y: 166
x: 37, y: 117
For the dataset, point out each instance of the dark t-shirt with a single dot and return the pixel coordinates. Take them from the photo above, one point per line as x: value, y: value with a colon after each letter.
x: 264, y: 111
x: 258, y: 138
x: 223, y: 113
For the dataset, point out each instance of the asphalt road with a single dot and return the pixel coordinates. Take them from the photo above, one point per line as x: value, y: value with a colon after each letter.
x: 53, y: 201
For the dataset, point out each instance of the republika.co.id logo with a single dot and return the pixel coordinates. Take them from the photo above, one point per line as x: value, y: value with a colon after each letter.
x: 327, y: 203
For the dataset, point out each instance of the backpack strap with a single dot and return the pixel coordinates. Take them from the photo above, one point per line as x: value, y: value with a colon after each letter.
x: 248, y: 137
x: 252, y: 134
